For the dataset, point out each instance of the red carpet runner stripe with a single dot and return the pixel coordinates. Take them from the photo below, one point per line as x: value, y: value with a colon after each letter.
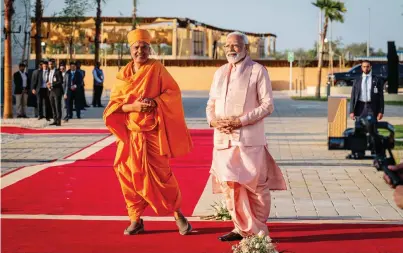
x: 21, y: 130
x: 66, y: 236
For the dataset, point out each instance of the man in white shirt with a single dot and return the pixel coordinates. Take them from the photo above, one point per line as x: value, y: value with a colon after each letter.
x: 367, y: 94
x: 21, y: 87
x: 98, y: 85
x: 55, y: 86
x: 41, y: 90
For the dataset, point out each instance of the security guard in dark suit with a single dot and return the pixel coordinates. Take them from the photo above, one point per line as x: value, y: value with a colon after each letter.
x: 367, y: 94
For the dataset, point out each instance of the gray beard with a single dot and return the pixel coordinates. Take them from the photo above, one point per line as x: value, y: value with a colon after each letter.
x: 236, y: 58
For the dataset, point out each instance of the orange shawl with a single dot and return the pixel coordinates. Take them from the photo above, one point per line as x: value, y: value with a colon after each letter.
x: 151, y: 81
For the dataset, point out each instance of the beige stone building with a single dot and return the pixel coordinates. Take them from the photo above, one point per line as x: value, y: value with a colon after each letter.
x: 173, y: 38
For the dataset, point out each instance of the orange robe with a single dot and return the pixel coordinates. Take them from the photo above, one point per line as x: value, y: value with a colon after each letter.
x: 146, y: 140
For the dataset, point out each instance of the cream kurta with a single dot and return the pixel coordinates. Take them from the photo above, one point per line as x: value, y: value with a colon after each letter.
x: 242, y: 164
x: 239, y: 156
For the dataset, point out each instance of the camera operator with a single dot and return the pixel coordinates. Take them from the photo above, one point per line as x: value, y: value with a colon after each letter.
x: 367, y: 94
x: 398, y: 194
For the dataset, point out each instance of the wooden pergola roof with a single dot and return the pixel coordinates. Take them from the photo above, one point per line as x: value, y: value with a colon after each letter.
x: 182, y: 22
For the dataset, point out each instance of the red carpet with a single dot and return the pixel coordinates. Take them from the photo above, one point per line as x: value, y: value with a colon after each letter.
x: 21, y: 130
x: 62, y: 236
x: 90, y: 186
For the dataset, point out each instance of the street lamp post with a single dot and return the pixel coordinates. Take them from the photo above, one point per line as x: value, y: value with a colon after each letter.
x: 369, y: 31
x: 43, y: 44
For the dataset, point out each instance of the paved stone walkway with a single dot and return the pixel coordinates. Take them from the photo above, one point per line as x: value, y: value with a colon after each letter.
x: 322, y: 184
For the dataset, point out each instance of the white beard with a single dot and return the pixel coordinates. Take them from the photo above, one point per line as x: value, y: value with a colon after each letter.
x: 236, y: 58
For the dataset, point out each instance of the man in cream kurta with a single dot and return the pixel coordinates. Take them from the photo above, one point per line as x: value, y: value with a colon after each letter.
x: 242, y: 167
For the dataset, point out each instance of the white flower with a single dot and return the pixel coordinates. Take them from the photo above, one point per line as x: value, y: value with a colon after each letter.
x: 223, y: 203
x: 216, y: 213
x: 257, y: 246
x: 224, y: 219
x: 261, y: 234
x: 217, y: 207
x: 268, y: 239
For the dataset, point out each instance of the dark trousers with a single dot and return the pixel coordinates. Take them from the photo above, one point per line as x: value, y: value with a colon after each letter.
x: 363, y: 110
x: 84, y: 102
x: 56, y: 103
x: 43, y: 98
x: 74, y: 98
x: 96, y: 101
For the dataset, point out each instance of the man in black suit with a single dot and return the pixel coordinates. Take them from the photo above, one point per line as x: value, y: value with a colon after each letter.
x: 367, y: 94
x: 55, y: 86
x: 42, y: 92
x: 73, y: 81
x: 32, y: 98
x: 21, y: 88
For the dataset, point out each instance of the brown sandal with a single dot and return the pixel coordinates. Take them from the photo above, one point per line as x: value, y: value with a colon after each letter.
x: 183, y: 225
x: 134, y: 228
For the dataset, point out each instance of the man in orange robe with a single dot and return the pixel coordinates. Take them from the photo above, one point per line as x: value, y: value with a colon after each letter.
x: 146, y: 115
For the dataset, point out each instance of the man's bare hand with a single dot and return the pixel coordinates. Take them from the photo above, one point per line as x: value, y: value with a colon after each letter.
x: 380, y: 116
x: 151, y: 102
x: 396, y: 168
x: 227, y: 125
x: 352, y: 116
x: 398, y: 196
x: 221, y: 125
x: 34, y: 92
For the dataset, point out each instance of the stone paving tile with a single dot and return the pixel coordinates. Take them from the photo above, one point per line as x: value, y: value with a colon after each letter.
x: 27, y: 150
x: 322, y: 184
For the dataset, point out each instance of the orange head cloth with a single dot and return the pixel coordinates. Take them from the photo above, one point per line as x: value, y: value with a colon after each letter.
x: 138, y: 35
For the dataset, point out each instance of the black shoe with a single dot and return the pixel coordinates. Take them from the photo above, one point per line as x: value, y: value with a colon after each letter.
x: 53, y: 124
x: 40, y: 117
x: 134, y: 228
x: 59, y: 123
x: 231, y: 236
x: 100, y: 106
x: 47, y: 119
x: 78, y: 117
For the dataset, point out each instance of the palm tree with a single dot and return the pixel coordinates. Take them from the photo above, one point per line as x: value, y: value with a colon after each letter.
x: 98, y: 22
x: 8, y: 99
x: 38, y: 36
x: 333, y: 11
x: 134, y: 14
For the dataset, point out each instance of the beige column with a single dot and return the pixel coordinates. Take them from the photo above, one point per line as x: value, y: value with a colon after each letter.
x: 191, y: 53
x: 269, y: 46
x: 210, y: 41
x: 174, y: 38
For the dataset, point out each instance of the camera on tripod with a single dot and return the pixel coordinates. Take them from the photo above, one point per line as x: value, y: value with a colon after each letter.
x: 365, y: 136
